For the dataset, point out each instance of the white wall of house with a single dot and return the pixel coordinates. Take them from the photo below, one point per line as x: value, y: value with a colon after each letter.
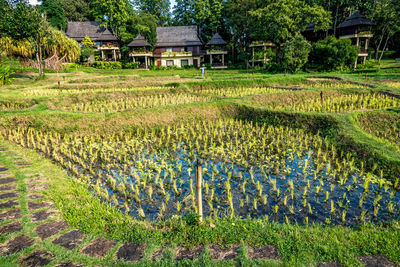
x: 177, y: 61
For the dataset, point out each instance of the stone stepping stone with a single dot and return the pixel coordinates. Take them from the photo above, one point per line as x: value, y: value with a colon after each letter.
x: 376, y: 261
x: 70, y: 240
x: 220, y: 253
x: 265, y: 252
x: 9, y: 204
x: 131, y: 252
x: 157, y: 255
x: 11, y: 228
x: 3, y: 169
x: 40, y: 205
x: 38, y: 187
x: 36, y: 180
x: 4, y: 174
x: 15, y: 245
x: 8, y: 187
x: 20, y: 163
x: 51, y: 228
x: 99, y: 247
x: 35, y: 196
x: 185, y: 253
x: 329, y: 264
x: 37, y: 258
x: 8, y: 195
x: 10, y: 215
x: 42, y: 215
x: 69, y: 264
x: 7, y: 180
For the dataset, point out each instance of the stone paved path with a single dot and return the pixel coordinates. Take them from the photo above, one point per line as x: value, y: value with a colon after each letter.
x: 19, y: 209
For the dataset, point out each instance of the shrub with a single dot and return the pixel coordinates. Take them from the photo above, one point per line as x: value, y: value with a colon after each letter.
x: 5, y: 73
x: 86, y: 53
x: 333, y: 54
x: 295, y: 53
x: 87, y: 42
x: 107, y: 65
x: 131, y: 65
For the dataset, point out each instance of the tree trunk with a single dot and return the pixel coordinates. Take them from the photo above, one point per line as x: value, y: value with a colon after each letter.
x: 379, y: 44
x: 384, y: 47
x: 40, y: 61
x: 336, y: 14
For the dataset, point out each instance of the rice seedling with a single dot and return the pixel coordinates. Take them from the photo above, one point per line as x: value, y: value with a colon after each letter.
x: 135, y: 102
x: 334, y: 101
x: 385, y: 126
x: 250, y: 170
x: 240, y: 91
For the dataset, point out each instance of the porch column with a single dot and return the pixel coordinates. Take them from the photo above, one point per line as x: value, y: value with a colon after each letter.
x: 145, y: 61
x: 223, y: 60
x: 115, y: 55
x: 102, y: 54
x: 211, y: 60
x: 265, y: 59
x: 253, y: 56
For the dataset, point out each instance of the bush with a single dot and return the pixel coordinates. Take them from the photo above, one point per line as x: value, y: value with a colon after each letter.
x: 333, y: 54
x: 295, y: 53
x: 131, y: 65
x: 107, y: 65
x: 86, y: 53
x: 5, y: 73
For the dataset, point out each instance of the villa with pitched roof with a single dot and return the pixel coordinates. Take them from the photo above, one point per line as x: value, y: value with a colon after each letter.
x: 358, y: 29
x: 177, y: 46
x: 105, y: 41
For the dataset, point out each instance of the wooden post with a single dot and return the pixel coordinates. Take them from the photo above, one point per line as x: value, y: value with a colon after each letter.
x: 199, y: 179
x: 322, y: 98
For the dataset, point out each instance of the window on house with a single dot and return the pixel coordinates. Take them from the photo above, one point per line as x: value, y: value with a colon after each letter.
x: 184, y: 62
x: 170, y: 63
x: 169, y: 49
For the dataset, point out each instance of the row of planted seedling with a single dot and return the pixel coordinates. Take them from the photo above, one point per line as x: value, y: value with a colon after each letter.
x: 241, y: 91
x: 383, y: 125
x: 135, y: 102
x: 317, y: 102
x: 249, y: 170
x: 11, y: 106
x: 332, y: 84
x: 55, y: 92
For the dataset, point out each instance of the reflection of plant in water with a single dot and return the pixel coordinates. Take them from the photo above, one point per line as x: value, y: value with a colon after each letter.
x: 248, y: 170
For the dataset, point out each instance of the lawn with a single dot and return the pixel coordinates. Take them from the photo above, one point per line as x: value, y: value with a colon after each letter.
x: 299, y: 169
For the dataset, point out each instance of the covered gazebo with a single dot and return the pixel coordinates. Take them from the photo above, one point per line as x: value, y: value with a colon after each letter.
x: 216, y: 51
x: 358, y: 29
x: 141, y: 51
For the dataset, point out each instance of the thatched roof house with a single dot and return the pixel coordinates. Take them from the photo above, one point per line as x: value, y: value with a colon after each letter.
x: 139, y: 41
x: 216, y: 40
x: 78, y: 30
x: 357, y: 19
x: 172, y: 37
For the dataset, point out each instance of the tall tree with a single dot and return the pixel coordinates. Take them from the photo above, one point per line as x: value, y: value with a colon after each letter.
x: 53, y: 9
x: 279, y: 21
x: 77, y: 10
x: 114, y: 13
x: 207, y: 14
x: 158, y: 8
x: 240, y: 23
x: 385, y: 15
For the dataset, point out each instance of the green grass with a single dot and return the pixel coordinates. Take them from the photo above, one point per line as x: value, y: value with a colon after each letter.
x: 297, y: 245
